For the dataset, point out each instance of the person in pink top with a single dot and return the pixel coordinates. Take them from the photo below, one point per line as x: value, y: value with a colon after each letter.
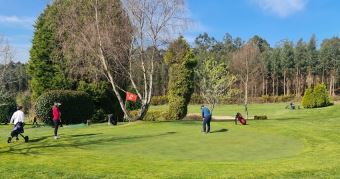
x: 56, y: 119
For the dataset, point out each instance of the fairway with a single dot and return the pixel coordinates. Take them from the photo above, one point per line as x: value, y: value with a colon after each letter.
x: 300, y: 144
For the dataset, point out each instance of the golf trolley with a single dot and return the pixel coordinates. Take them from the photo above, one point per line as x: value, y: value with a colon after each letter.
x: 18, y: 130
x: 26, y: 138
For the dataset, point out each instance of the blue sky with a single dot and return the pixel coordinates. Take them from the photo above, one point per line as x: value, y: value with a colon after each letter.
x: 273, y: 20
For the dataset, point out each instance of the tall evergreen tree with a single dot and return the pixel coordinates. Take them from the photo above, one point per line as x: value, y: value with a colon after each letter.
x: 43, y: 68
x: 181, y: 61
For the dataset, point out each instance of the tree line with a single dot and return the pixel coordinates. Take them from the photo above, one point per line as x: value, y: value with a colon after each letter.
x: 288, y: 68
x: 123, y: 44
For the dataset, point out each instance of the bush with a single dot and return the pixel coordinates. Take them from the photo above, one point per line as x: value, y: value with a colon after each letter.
x: 7, y: 108
x: 193, y: 117
x: 182, y: 63
x: 103, y: 99
x: 99, y: 116
x: 152, y: 115
x: 260, y: 117
x: 159, y: 100
x: 317, y: 97
x: 76, y: 107
x: 130, y: 105
x: 196, y: 99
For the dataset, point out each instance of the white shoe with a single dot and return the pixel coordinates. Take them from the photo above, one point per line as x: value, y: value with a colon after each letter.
x: 55, y: 137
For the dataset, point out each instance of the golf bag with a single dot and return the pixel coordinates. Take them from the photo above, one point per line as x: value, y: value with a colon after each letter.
x: 239, y: 118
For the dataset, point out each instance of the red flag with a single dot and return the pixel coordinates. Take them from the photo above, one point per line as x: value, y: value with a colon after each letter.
x: 131, y: 97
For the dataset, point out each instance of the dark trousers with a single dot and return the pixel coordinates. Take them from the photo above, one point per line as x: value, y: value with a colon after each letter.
x: 206, y: 123
x: 56, y: 126
x: 18, y: 129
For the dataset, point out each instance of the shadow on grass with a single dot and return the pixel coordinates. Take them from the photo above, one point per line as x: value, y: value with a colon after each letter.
x: 84, y: 135
x: 38, y: 139
x: 286, y: 119
x: 71, y: 141
x: 220, y: 130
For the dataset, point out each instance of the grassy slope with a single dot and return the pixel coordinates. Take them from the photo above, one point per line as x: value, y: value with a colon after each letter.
x: 301, y: 143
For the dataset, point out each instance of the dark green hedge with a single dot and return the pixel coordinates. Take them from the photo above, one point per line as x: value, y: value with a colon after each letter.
x: 76, y: 107
x: 103, y: 98
x: 7, y: 108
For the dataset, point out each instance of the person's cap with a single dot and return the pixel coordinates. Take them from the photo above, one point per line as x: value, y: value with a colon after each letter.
x: 202, y: 106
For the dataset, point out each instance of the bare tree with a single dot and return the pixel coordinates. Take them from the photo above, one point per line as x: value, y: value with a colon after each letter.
x: 6, y: 56
x: 107, y: 38
x: 155, y: 24
x: 245, y: 63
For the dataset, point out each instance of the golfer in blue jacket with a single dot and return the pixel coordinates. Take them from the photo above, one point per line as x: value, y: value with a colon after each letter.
x: 206, y: 114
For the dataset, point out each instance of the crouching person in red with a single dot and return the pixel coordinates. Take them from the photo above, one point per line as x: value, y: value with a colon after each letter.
x: 239, y: 118
x: 56, y: 119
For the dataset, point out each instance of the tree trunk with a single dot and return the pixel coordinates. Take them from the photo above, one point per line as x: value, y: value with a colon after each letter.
x: 277, y: 86
x: 273, y: 86
x: 284, y: 83
x: 263, y: 85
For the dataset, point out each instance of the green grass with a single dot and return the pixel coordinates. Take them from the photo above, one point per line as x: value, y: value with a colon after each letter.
x: 291, y: 144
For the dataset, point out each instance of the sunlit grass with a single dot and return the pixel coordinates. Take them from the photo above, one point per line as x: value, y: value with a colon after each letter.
x: 300, y: 144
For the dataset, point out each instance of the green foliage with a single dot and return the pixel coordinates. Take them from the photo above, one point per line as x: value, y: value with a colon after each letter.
x: 215, y: 81
x: 321, y: 96
x: 7, y: 108
x: 24, y: 99
x: 152, y: 115
x: 196, y: 99
x: 180, y: 59
x: 99, y: 116
x: 308, y: 99
x: 45, y: 73
x: 260, y: 117
x: 76, y: 106
x: 317, y: 97
x: 276, y: 99
x: 159, y: 100
x: 103, y: 99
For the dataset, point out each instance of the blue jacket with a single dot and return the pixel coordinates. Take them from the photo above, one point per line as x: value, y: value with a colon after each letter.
x: 205, y: 112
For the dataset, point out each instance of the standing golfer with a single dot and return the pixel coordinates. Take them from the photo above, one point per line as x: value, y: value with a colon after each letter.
x: 206, y: 114
x: 56, y: 119
x: 18, y: 120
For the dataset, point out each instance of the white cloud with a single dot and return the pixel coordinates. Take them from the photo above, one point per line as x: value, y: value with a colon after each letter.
x: 282, y: 8
x: 15, y: 20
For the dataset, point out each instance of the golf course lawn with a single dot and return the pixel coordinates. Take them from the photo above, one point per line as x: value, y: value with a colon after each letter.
x: 290, y: 144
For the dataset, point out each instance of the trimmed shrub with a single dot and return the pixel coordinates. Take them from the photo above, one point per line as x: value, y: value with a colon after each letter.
x: 321, y: 96
x: 159, y: 100
x: 317, y: 97
x: 103, y: 98
x: 7, y: 108
x: 151, y: 115
x: 76, y: 107
x: 260, y: 117
x: 181, y: 63
x: 99, y: 116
